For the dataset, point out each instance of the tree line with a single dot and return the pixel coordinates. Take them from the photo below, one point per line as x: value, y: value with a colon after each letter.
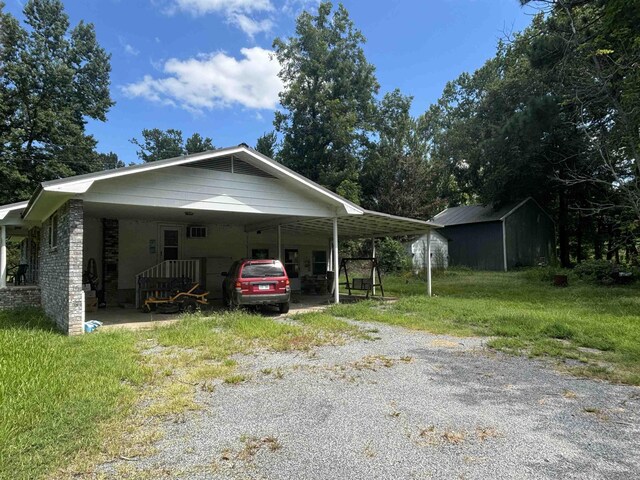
x: 553, y: 115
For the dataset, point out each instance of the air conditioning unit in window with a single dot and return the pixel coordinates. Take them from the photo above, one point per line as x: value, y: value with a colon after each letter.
x: 196, y: 231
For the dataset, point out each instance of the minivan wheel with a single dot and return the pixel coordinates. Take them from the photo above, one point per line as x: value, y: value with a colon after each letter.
x: 283, y: 307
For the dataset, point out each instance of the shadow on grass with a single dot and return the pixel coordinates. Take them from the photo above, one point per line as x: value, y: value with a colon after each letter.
x: 26, y: 318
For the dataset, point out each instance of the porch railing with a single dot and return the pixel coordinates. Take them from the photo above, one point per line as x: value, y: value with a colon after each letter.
x: 169, y: 269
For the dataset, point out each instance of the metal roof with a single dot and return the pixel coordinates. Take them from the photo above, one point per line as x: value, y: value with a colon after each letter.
x: 475, y: 214
x: 368, y: 225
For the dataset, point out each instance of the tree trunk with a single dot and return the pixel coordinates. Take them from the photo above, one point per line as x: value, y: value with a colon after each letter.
x: 597, y: 241
x: 563, y: 236
x: 579, y: 257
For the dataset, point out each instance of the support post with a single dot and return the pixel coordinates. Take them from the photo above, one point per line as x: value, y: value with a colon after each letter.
x: 428, y: 254
x: 373, y: 255
x: 279, y: 243
x: 3, y: 256
x: 336, y: 264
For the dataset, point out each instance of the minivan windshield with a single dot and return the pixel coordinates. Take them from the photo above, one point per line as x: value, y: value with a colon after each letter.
x: 253, y: 270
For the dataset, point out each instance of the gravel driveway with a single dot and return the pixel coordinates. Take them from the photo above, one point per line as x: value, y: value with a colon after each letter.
x: 405, y: 405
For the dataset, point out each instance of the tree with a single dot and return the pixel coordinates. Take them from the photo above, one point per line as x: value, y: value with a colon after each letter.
x: 328, y: 99
x: 196, y: 144
x: 266, y: 144
x: 159, y: 144
x: 51, y: 80
x: 396, y: 177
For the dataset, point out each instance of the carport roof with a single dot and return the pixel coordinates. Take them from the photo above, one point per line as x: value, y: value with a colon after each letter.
x: 369, y: 224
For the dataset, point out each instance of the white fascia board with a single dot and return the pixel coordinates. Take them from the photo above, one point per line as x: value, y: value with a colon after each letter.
x: 72, y: 187
x: 5, y: 210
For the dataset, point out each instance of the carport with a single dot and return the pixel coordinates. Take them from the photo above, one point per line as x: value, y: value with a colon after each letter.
x: 368, y: 225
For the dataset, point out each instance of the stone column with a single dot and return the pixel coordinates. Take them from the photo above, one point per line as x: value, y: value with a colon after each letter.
x: 61, y: 266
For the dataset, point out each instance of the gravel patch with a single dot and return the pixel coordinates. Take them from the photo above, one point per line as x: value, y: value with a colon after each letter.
x: 407, y: 405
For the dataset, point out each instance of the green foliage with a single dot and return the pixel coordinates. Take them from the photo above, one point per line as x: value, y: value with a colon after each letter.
x: 328, y: 100
x: 392, y: 256
x: 602, y: 272
x: 159, y: 144
x: 267, y: 143
x: 196, y: 144
x: 395, y: 176
x: 51, y: 79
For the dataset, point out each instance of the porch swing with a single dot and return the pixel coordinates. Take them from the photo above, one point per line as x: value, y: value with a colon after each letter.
x: 362, y: 284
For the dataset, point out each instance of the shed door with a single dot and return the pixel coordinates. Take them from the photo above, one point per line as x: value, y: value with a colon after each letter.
x: 170, y: 239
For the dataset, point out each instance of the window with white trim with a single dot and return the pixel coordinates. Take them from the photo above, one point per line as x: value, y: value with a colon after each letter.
x: 53, y: 231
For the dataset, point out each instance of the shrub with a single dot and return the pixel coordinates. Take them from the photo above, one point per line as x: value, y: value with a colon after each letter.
x: 603, y: 272
x: 392, y: 256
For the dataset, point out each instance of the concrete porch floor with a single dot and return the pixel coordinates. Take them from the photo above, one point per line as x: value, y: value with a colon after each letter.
x: 131, y: 318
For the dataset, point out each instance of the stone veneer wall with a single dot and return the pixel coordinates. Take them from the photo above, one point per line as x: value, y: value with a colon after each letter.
x: 110, y: 240
x: 19, y: 296
x: 61, y: 269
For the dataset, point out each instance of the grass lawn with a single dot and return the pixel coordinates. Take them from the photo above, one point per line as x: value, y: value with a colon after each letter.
x: 598, y: 327
x: 69, y: 402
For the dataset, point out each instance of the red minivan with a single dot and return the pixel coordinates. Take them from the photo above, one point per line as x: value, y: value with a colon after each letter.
x: 257, y: 282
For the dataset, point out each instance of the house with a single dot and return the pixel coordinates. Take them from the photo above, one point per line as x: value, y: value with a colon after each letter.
x: 438, y: 247
x: 189, y: 216
x: 515, y: 235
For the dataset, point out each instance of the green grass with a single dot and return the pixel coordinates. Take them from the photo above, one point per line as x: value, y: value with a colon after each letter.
x: 63, y: 399
x: 526, y: 315
x: 55, y: 391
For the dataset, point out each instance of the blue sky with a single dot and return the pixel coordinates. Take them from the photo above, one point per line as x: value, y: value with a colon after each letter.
x: 204, y: 65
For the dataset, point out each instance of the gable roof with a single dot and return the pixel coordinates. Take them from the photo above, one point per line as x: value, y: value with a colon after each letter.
x: 477, y: 213
x: 81, y: 183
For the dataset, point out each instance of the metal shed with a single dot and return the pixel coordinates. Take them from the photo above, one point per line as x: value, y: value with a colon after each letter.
x: 484, y: 238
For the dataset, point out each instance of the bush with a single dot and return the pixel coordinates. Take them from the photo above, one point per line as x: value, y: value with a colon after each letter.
x: 392, y: 256
x: 541, y: 274
x: 603, y: 272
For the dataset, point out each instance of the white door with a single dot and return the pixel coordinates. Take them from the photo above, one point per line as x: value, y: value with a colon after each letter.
x: 169, y: 243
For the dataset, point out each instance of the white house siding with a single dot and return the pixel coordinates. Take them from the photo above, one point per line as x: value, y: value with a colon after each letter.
x: 201, y: 189
x: 439, y: 251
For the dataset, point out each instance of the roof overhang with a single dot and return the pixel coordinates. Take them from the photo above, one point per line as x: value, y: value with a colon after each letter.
x: 11, y: 218
x: 368, y: 225
x: 50, y: 195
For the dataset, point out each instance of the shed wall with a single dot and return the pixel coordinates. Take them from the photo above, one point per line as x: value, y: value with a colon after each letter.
x: 439, y: 251
x: 477, y: 245
x: 530, y: 236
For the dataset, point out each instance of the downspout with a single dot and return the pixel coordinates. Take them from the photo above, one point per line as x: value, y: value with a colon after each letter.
x: 3, y: 256
x: 428, y: 253
x: 504, y: 243
x: 336, y: 264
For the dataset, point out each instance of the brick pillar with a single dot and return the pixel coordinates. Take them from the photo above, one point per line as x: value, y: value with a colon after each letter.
x: 110, y: 240
x: 61, y: 268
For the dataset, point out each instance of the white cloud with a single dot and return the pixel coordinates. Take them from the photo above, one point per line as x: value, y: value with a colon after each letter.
x: 214, y: 80
x: 130, y: 50
x: 202, y: 7
x: 296, y: 7
x: 235, y: 12
x: 127, y: 47
x: 250, y: 26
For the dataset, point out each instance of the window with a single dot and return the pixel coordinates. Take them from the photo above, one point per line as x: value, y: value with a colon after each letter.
x: 196, y: 231
x: 319, y: 262
x: 260, y: 253
x: 53, y: 230
x: 255, y: 270
x: 291, y: 262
